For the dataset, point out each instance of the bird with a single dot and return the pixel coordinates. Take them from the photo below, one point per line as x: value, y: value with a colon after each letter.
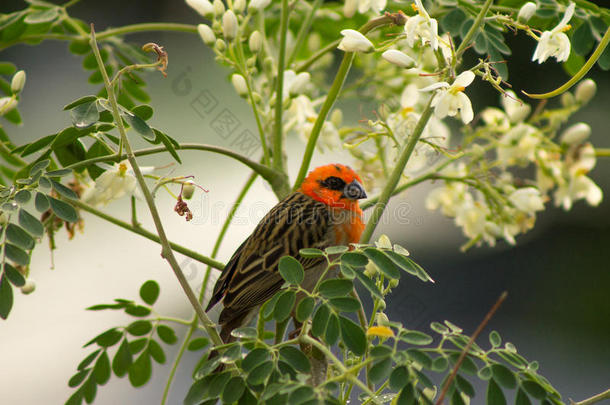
x: 323, y: 212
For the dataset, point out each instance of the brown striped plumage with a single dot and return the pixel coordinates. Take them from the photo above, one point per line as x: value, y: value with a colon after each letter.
x: 314, y: 217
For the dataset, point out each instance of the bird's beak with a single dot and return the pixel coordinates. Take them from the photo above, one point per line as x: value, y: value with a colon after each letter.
x: 355, y: 190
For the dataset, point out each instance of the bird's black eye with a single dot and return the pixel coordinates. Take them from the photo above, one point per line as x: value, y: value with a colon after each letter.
x: 333, y: 183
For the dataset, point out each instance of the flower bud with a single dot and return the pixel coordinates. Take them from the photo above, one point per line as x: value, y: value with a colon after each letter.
x: 381, y: 305
x: 203, y: 7
x: 354, y: 41
x: 28, y: 287
x: 370, y: 270
x: 255, y: 42
x: 229, y: 25
x: 349, y: 8
x: 188, y: 189
x: 18, y: 82
x: 394, y: 283
x: 381, y: 319
x: 526, y: 12
x: 576, y: 134
x: 585, y: 91
x: 239, y: 83
x: 220, y: 46
x: 567, y: 99
x: 336, y: 117
x: 219, y: 8
x: 7, y: 104
x: 206, y: 34
x: 257, y: 98
x: 256, y: 5
x: 3, y: 218
x: 268, y: 65
x: 239, y: 5
x: 251, y: 62
x: 299, y: 84
x: 398, y: 58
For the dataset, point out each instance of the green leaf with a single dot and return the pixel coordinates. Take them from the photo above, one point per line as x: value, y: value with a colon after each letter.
x: 39, y: 166
x: 354, y: 259
x: 63, y: 190
x: 439, y: 364
x: 295, y: 358
x: 245, y: 332
x: 399, y: 378
x: 408, y: 265
x: 101, y: 370
x: 582, y: 39
x: 197, y: 391
x: 122, y: 359
x: 141, y: 370
x: 84, y: 115
x: 198, y: 344
x: 420, y: 357
x: 439, y: 328
x: 149, y: 292
x: 495, y: 396
x: 58, y: 173
x: 16, y: 254
x: 88, y: 360
x: 452, y: 21
x: 13, y: 275
x: 136, y: 346
x: 302, y: 395
x: 78, y: 48
x: 260, y: 374
x: 308, y: 253
x: 407, y: 396
x: 139, y: 125
x: 424, y: 380
x: 464, y: 386
x: 156, y: 351
x: 495, y: 339
x: 167, y: 142
x: 284, y: 305
x: 19, y: 237
x: 522, y: 399
x: 137, y: 310
x: 480, y: 43
x: 353, y: 336
x: 485, y: 373
x: 368, y: 283
x: 332, y: 330
x: 504, y: 376
x: 143, y: 111
x: 380, y: 370
x: 320, y: 320
x: 291, y: 270
x: 254, y: 358
x: 7, y: 68
x: 63, y: 210
x: 383, y: 262
x: 345, y: 304
x: 36, y: 145
x: 217, y: 385
x: 139, y: 328
x: 23, y: 196
x: 347, y: 271
x: 335, y: 250
x: 167, y: 334
x: 6, y: 297
x: 89, y: 389
x: 42, y: 16
x: 30, y: 223
x: 304, y: 309
x: 381, y: 351
x: 335, y: 287
x: 107, y: 338
x: 415, y: 337
x: 78, y: 378
x: 534, y: 389
x: 135, y: 90
x: 233, y: 390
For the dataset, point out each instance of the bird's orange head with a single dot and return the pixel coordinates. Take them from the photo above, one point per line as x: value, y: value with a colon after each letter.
x: 335, y: 185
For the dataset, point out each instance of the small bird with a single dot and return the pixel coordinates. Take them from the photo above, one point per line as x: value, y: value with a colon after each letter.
x: 323, y: 212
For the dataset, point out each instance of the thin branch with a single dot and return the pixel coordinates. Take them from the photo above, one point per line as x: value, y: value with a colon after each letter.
x: 478, y: 22
x: 161, y: 26
x: 278, y: 133
x: 466, y: 349
x: 166, y: 250
x: 594, y: 399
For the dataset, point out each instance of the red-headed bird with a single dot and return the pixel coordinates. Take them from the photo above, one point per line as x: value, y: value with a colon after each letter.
x: 323, y: 212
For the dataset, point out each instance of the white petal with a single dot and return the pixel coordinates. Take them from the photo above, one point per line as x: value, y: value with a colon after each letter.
x: 398, y: 58
x: 435, y: 86
x: 465, y: 108
x: 566, y: 17
x: 464, y: 79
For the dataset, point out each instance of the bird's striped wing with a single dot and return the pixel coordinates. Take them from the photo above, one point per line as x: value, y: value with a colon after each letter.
x: 251, y: 276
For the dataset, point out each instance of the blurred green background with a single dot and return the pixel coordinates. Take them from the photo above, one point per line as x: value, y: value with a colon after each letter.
x: 557, y: 277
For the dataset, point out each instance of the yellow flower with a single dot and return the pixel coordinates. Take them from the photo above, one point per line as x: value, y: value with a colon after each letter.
x: 380, y: 331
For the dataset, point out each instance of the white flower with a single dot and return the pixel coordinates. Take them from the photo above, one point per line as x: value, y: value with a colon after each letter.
x: 203, y: 7
x: 585, y: 91
x: 219, y: 8
x: 518, y: 145
x: 576, y: 134
x: 555, y: 43
x: 579, y: 187
x: 516, y: 110
x: 229, y: 25
x: 206, y: 34
x: 496, y: 119
x: 239, y: 5
x: 398, y: 58
x: 258, y: 5
x: 7, y: 104
x: 349, y: 9
x: 527, y: 199
x: 580, y: 159
x: 18, y: 82
x: 383, y: 242
x: 114, y: 183
x: 295, y: 84
x: 240, y: 85
x: 354, y: 41
x: 450, y: 98
x: 472, y: 217
x: 421, y: 27
x: 526, y: 12
x: 255, y: 42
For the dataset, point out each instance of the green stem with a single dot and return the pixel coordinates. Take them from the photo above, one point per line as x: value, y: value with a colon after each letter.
x: 303, y: 31
x: 478, y: 22
x: 594, y: 399
x: 147, y: 234
x: 331, y: 97
x: 183, y: 347
x: 385, y: 195
x: 278, y: 136
x: 130, y: 29
x: 602, y: 152
x: 581, y: 73
x: 317, y: 55
x: 166, y: 250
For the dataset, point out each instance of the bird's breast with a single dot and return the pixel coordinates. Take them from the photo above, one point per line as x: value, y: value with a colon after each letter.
x: 347, y: 227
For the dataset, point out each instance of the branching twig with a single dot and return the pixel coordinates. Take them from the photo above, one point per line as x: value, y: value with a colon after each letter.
x: 594, y: 399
